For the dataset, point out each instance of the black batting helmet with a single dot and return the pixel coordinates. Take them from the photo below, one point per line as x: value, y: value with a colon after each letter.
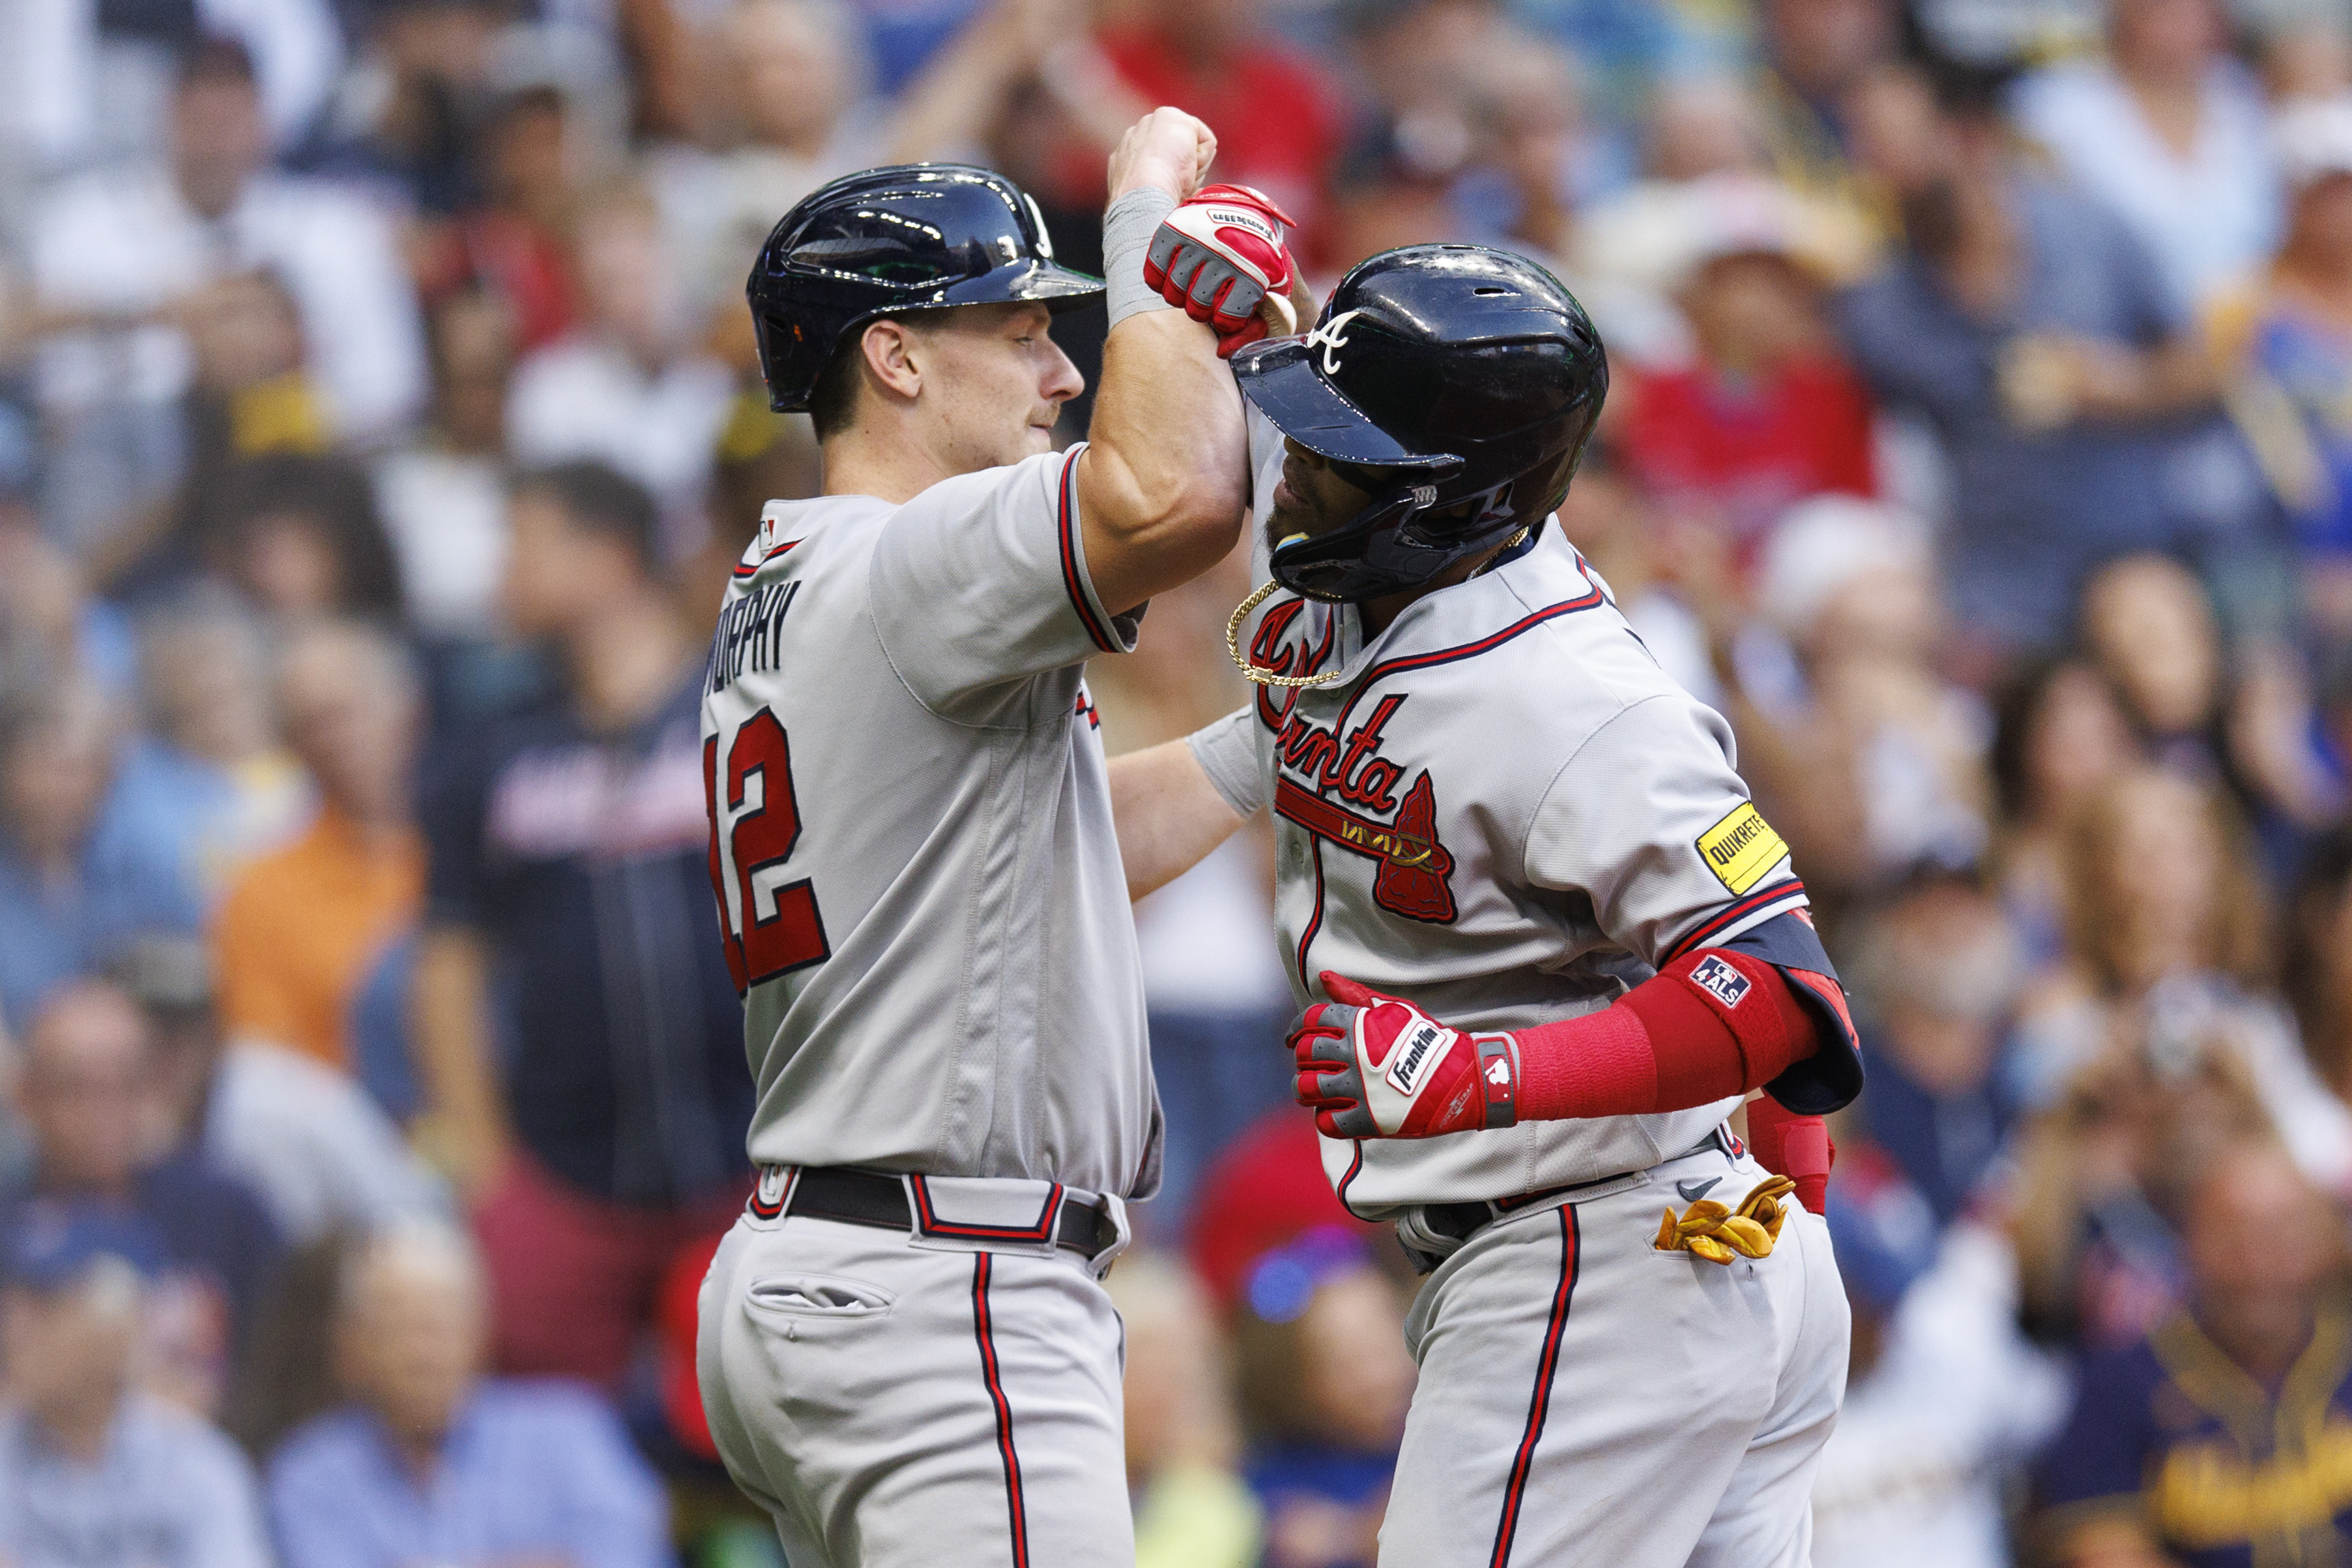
x: 1467, y: 375
x: 911, y: 236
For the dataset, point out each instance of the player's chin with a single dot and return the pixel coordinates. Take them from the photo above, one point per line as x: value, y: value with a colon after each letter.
x: 1038, y: 438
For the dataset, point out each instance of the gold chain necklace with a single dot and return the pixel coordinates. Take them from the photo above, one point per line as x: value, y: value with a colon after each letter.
x: 1252, y: 672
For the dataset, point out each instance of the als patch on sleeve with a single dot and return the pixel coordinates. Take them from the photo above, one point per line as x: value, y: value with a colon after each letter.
x: 1742, y: 847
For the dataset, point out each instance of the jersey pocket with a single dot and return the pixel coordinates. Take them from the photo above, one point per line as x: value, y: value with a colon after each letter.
x: 819, y: 1296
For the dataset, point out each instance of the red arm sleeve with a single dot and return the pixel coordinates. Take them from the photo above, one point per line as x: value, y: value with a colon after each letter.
x: 1711, y: 1025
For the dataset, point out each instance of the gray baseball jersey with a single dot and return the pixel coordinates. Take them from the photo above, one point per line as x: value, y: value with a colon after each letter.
x: 1505, y: 811
x: 911, y: 841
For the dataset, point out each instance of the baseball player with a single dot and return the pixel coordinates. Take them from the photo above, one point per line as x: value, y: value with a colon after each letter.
x: 904, y: 1350
x: 1545, y: 944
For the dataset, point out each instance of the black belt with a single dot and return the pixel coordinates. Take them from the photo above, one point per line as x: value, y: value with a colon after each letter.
x: 852, y: 1196
x: 1460, y: 1222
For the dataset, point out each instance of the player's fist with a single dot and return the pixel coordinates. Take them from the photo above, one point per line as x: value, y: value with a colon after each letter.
x: 1371, y: 1066
x: 1166, y: 150
x: 1220, y: 257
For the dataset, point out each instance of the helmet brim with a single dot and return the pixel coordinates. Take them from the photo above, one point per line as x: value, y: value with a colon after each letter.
x: 1032, y: 282
x: 1280, y: 377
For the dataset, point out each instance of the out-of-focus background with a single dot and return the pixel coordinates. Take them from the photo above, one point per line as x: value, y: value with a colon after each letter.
x: 378, y: 414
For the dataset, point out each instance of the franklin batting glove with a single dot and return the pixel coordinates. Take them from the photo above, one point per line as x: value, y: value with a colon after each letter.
x: 1371, y: 1066
x: 1221, y: 258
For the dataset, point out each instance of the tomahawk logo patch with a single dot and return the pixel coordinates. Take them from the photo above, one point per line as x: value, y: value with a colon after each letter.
x: 1722, y: 982
x: 1414, y: 1054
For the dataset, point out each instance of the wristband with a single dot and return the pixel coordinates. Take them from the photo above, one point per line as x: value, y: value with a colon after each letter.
x: 1127, y: 229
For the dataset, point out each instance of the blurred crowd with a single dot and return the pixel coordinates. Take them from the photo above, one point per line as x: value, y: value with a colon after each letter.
x: 379, y: 415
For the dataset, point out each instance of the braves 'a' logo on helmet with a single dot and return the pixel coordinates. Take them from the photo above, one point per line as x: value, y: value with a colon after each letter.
x: 1331, y: 336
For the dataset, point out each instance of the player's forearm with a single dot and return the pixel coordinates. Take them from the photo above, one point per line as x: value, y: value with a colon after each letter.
x: 1163, y: 485
x: 464, y: 1122
x: 1168, y: 815
x: 1669, y: 1043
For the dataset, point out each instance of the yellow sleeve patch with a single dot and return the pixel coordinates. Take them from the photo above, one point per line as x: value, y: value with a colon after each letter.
x: 1742, y: 847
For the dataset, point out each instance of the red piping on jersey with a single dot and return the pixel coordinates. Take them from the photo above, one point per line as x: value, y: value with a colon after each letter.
x: 1732, y: 914
x: 1354, y: 1165
x: 1539, y: 1403
x: 1043, y: 1230
x: 1466, y: 650
x: 751, y: 568
x: 1072, y: 579
x: 1314, y: 848
x: 1016, y: 1511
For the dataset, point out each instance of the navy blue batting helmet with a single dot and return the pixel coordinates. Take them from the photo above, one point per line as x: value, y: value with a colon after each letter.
x: 911, y: 236
x: 1468, y: 377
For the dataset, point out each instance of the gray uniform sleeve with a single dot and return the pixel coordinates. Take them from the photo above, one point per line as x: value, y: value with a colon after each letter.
x: 981, y: 579
x: 1227, y: 752
x: 1650, y: 820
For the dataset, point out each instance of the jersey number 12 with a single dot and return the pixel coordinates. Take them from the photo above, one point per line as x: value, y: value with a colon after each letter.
x: 791, y: 935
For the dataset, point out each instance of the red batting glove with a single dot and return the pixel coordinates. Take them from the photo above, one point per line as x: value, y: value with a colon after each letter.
x: 1371, y: 1066
x: 1221, y: 258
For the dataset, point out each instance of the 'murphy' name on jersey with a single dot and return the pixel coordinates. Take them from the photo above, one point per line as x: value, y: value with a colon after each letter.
x: 750, y: 634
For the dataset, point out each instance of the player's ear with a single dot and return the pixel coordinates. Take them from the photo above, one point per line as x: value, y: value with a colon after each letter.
x: 890, y: 359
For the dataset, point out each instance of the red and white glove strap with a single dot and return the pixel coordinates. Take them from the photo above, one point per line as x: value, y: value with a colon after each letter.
x: 1372, y: 1065
x: 1221, y: 259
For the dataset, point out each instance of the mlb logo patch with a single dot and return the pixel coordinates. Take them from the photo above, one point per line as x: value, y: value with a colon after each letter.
x: 1724, y: 982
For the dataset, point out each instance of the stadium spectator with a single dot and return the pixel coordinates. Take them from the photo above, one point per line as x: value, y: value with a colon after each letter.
x: 567, y: 856
x: 2168, y: 942
x: 2287, y: 336
x: 2211, y: 1440
x: 1323, y: 1378
x: 628, y: 387
x: 210, y: 773
x: 2147, y: 621
x: 2033, y: 334
x: 1944, y: 1400
x: 122, y: 246
x: 303, y: 1137
x: 1935, y: 973
x: 1191, y: 1510
x: 86, y: 1094
x: 94, y: 1471
x: 2098, y: 1175
x: 433, y: 1462
x: 300, y: 928
x: 1814, y: 54
x: 443, y: 494
x: 1767, y: 414
x: 509, y: 238
x: 1867, y: 752
x: 2058, y: 735
x: 2150, y: 624
x: 1276, y: 112
x: 2172, y: 134
x: 791, y: 80
x: 2316, y: 973
x: 80, y: 871
x: 298, y: 536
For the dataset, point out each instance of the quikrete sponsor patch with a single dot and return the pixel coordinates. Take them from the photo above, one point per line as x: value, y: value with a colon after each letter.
x: 1742, y: 847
